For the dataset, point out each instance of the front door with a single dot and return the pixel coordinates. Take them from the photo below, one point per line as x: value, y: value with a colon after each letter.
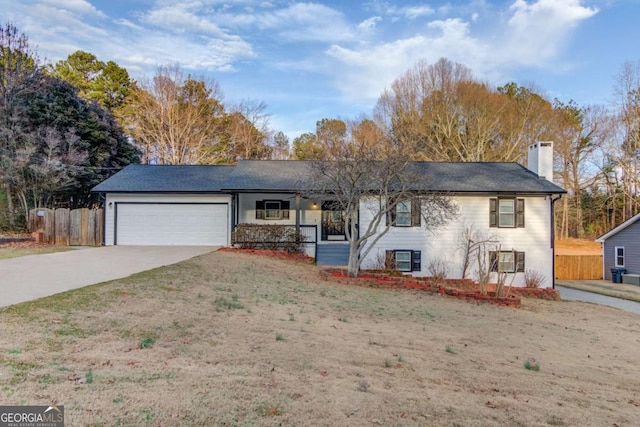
x: 332, y: 222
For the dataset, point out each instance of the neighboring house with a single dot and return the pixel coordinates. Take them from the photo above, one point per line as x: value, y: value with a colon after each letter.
x: 201, y: 205
x: 621, y: 247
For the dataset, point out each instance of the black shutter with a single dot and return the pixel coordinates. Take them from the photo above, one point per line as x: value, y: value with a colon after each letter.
x: 493, y: 214
x: 416, y: 213
x: 493, y: 261
x: 416, y: 261
x: 259, y: 209
x: 520, y: 261
x: 285, y: 206
x: 520, y: 213
x: 390, y: 260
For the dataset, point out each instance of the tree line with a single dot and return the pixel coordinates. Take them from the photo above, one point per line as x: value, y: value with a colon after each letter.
x: 64, y: 127
x: 441, y: 112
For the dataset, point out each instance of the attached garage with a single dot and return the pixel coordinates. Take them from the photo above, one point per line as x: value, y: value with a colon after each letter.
x: 167, y: 205
x: 161, y: 224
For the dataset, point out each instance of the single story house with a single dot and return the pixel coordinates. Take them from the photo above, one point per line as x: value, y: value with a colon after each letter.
x: 202, y: 205
x: 621, y: 249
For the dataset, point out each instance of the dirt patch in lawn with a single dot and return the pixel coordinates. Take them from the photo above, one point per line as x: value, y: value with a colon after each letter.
x: 235, y: 339
x: 578, y: 247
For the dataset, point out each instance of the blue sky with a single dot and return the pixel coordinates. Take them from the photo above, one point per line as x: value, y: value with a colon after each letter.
x: 332, y: 59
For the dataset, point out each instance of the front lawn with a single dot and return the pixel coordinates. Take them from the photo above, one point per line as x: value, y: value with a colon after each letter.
x: 234, y: 339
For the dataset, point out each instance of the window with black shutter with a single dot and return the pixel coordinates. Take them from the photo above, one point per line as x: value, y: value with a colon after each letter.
x: 506, y: 261
x: 272, y: 209
x: 405, y: 214
x: 403, y: 260
x: 506, y: 213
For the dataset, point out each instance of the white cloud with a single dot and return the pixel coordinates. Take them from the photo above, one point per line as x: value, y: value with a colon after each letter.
x: 79, y: 6
x: 369, y: 24
x: 366, y: 72
x: 127, y: 23
x: 532, y: 34
x: 410, y: 12
x: 178, y: 18
x: 305, y: 22
x: 537, y: 31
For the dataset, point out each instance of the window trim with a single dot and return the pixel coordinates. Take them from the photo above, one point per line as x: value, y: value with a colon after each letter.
x: 616, y: 256
x: 512, y: 214
x: 408, y: 212
x: 267, y: 210
x: 409, y: 260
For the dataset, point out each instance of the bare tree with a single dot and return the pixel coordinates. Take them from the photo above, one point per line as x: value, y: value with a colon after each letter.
x: 579, y: 137
x: 448, y: 115
x: 248, y: 130
x: 627, y: 94
x: 177, y: 119
x: 19, y: 65
x: 355, y: 175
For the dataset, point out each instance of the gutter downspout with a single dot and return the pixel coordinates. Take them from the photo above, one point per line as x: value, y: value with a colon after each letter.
x: 103, y: 196
x: 553, y: 240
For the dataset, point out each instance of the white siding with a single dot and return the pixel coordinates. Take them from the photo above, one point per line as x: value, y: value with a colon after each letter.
x: 533, y: 239
x: 113, y: 198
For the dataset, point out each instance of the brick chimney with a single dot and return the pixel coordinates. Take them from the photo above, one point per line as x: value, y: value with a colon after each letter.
x: 540, y: 159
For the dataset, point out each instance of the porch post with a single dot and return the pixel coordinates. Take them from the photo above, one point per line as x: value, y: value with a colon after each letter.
x: 297, y: 213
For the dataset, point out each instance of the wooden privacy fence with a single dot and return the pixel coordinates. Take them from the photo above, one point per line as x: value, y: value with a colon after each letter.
x: 578, y: 267
x: 64, y: 227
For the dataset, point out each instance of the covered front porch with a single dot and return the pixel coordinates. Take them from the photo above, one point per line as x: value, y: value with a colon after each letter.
x: 268, y: 219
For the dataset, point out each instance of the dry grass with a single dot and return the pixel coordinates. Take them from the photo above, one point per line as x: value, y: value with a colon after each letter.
x: 577, y: 247
x: 16, y: 250
x: 231, y: 339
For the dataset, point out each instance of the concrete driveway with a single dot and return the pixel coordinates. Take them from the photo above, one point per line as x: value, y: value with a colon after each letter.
x: 36, y: 276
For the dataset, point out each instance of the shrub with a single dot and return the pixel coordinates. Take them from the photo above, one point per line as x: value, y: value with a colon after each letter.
x: 269, y: 236
x: 533, y: 279
x: 439, y: 270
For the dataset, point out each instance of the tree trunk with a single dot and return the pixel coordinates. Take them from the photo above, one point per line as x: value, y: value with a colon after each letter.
x: 10, y: 207
x: 353, y: 268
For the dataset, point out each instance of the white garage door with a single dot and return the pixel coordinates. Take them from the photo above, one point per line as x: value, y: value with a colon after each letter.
x: 171, y: 224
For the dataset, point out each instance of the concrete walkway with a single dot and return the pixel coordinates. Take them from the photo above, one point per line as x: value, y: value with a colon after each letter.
x: 569, y: 294
x: 36, y: 276
x: 604, y: 287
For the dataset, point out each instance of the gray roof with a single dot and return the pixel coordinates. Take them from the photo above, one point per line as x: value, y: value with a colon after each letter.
x: 165, y: 179
x: 473, y: 177
x: 289, y: 175
x: 268, y: 175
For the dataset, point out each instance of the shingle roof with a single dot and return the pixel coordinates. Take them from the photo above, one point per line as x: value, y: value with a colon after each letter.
x: 268, y: 175
x: 485, y: 177
x: 161, y: 179
x: 460, y: 177
x: 289, y: 175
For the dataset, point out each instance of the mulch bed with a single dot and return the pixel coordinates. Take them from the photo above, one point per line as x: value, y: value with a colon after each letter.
x: 464, y: 289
